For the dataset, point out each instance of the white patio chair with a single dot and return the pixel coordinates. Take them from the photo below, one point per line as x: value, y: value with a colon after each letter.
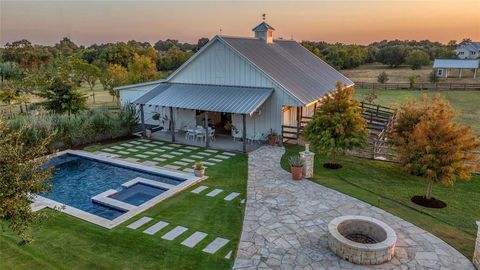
x: 190, y: 134
x: 211, y: 134
x: 200, y: 135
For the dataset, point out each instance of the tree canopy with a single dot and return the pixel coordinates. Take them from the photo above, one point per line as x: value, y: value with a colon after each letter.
x: 62, y: 97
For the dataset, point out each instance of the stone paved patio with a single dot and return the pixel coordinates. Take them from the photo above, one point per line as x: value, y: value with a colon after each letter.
x: 285, y: 225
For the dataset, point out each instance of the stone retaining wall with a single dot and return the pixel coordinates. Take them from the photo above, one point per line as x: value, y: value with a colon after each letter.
x: 476, y: 253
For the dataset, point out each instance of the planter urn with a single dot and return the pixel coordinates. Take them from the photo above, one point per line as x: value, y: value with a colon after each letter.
x: 272, y: 140
x: 199, y: 173
x: 297, y: 172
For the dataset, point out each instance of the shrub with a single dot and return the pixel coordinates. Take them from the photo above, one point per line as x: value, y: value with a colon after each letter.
x: 383, y: 77
x: 296, y: 161
x: 416, y: 59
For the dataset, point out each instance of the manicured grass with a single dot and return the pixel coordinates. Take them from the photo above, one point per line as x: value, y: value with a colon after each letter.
x: 64, y: 242
x: 384, y: 185
x: 466, y: 102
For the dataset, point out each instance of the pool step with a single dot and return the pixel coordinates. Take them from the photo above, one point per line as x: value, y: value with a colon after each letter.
x: 103, y: 199
x: 147, y: 182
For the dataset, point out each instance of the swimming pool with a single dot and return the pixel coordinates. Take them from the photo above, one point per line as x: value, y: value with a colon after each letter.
x: 78, y: 178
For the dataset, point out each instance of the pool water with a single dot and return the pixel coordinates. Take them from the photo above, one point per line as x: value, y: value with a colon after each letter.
x: 137, y: 194
x: 77, y: 179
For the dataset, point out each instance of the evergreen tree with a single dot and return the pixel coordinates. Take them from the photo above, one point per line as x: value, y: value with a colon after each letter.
x: 62, y: 97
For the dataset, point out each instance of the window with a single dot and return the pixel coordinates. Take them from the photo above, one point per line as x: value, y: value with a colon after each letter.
x: 461, y: 53
x: 439, y: 72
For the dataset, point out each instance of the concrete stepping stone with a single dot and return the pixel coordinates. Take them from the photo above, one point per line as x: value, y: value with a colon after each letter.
x: 208, y: 163
x: 199, y: 189
x: 175, y: 145
x: 196, y: 157
x: 222, y: 157
x: 159, y: 159
x: 176, y: 153
x: 194, y: 239
x: 123, y: 152
x: 143, y: 140
x: 229, y: 255
x: 214, y: 160
x: 132, y: 159
x: 204, y: 154
x: 190, y: 170
x: 149, y: 144
x: 229, y: 154
x: 242, y: 201
x: 156, y: 227
x: 191, y: 147
x: 215, y: 245
x: 140, y: 222
x: 127, y: 145
x: 187, y: 160
x: 211, y: 151
x: 167, y: 156
x: 132, y: 150
x: 214, y: 192
x: 167, y: 147
x: 181, y: 163
x: 159, y: 150
x: 174, y: 233
x: 117, y: 147
x: 108, y: 150
x: 141, y: 147
x: 184, y: 150
x: 150, y: 153
x: 150, y: 163
x: 158, y: 143
x: 141, y: 156
x: 173, y: 167
x: 231, y: 196
x: 135, y: 142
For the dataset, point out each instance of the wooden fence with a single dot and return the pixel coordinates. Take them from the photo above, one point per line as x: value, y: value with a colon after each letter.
x: 419, y: 86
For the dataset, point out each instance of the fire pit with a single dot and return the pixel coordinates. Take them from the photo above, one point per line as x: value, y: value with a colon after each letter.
x: 361, y: 240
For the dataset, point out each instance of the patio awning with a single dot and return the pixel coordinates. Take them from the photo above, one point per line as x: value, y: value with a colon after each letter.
x: 214, y: 98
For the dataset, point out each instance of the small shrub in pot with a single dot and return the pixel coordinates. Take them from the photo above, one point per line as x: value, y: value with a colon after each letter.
x: 272, y: 138
x: 296, y: 167
x: 198, y: 169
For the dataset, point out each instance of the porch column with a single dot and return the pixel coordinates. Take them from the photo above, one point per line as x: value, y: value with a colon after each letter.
x: 475, y: 74
x: 460, y: 74
x: 205, y: 125
x: 142, y: 117
x: 299, y: 123
x: 172, y: 124
x: 244, y: 135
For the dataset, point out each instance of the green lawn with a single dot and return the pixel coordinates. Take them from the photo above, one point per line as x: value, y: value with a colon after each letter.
x: 64, y: 242
x: 466, y: 102
x: 384, y: 185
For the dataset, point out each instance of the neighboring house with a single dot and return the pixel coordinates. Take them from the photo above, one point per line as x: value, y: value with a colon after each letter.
x: 468, y: 50
x: 443, y: 66
x: 259, y: 84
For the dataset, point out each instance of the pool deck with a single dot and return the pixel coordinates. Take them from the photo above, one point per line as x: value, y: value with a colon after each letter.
x: 42, y: 202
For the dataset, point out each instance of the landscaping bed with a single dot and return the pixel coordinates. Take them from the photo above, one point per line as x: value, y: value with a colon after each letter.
x: 384, y: 185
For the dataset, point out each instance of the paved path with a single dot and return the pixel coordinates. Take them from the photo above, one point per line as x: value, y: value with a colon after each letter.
x: 285, y: 225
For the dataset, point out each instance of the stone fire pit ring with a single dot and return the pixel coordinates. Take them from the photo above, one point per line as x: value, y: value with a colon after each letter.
x: 361, y: 240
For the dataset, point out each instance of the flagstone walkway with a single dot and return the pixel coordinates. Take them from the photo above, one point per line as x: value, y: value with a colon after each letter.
x: 285, y: 225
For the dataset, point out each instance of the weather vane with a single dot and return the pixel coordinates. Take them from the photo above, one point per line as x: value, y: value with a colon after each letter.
x: 264, y: 16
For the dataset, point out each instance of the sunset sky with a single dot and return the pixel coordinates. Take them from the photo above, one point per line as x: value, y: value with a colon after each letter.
x: 354, y: 21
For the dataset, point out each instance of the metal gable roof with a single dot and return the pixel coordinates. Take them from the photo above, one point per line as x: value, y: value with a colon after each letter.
x: 456, y: 63
x: 263, y: 27
x: 295, y: 68
x: 216, y: 98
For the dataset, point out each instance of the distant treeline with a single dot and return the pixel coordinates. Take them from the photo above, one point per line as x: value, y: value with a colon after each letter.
x: 392, y: 53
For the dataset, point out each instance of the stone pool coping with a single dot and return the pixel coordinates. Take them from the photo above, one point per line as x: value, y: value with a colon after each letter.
x: 41, y: 202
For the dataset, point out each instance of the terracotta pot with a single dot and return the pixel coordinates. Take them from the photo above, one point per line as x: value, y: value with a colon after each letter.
x: 272, y: 140
x: 199, y: 173
x: 297, y: 172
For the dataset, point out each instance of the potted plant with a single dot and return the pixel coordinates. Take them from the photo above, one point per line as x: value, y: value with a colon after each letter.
x: 296, y: 167
x: 157, y: 117
x: 198, y: 169
x: 272, y: 138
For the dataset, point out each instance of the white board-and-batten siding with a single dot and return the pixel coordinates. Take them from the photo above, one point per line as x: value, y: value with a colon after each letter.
x: 219, y: 65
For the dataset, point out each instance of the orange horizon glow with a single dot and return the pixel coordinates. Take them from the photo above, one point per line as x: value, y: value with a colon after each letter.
x: 354, y: 21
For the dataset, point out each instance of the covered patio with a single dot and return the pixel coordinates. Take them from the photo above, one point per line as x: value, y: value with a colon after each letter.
x: 188, y: 108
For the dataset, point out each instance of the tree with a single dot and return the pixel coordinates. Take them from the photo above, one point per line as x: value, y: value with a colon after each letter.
x: 433, y: 78
x: 8, y: 71
x: 382, y: 77
x: 163, y: 46
x: 412, y: 79
x: 371, y: 96
x: 62, y: 97
x: 337, y: 125
x: 416, y: 59
x: 21, y: 177
x: 200, y: 43
x: 172, y: 59
x: 113, y: 76
x: 392, y: 55
x: 87, y: 73
x: 8, y: 96
x: 141, y: 69
x: 431, y: 145
x: 66, y: 47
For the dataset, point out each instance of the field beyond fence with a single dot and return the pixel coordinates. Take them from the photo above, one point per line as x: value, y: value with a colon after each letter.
x: 419, y: 86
